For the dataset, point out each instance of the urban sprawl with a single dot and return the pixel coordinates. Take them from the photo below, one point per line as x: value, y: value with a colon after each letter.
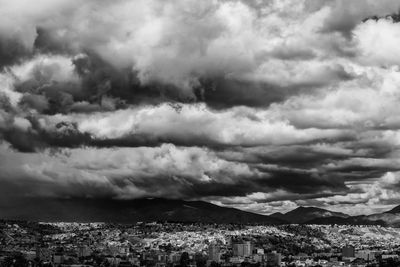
x: 176, y: 244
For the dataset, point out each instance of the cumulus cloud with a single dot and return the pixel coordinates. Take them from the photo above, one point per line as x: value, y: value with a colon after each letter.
x: 377, y: 42
x: 261, y: 105
x: 205, y: 42
x: 197, y: 123
x: 344, y: 16
x: 374, y: 196
x: 126, y: 173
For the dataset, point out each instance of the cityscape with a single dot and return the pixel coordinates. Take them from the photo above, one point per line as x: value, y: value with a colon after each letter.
x: 196, y: 244
x: 176, y: 233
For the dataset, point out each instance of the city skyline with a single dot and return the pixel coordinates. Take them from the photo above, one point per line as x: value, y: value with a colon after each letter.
x: 262, y: 106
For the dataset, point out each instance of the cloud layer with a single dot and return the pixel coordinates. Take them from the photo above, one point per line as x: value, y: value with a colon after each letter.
x: 261, y: 105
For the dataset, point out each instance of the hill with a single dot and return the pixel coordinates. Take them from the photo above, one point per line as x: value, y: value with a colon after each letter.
x: 395, y: 210
x: 388, y: 218
x: 305, y: 214
x: 158, y: 209
x: 130, y: 211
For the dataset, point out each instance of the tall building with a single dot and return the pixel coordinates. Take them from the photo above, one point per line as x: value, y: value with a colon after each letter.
x: 242, y: 249
x: 274, y: 259
x: 348, y: 251
x: 83, y: 251
x: 213, y: 253
x: 237, y: 249
x: 247, y: 250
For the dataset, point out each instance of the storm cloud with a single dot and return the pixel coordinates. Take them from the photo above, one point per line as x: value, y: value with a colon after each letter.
x: 260, y: 105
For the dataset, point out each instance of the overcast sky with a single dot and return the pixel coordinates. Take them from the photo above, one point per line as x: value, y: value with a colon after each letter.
x: 259, y: 105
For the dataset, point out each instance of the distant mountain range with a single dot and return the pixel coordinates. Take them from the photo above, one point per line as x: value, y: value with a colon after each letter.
x: 305, y: 214
x: 313, y: 215
x: 158, y: 209
x: 130, y: 211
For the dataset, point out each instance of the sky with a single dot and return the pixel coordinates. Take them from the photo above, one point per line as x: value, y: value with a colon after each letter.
x: 259, y: 105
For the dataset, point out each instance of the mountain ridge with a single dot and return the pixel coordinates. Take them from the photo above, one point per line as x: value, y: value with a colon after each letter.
x: 303, y: 214
x: 176, y: 210
x: 314, y: 215
x: 130, y: 211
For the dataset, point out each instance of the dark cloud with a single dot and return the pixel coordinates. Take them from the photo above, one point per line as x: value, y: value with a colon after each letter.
x: 259, y: 105
x: 35, y: 138
x: 346, y: 15
x: 12, y: 52
x: 45, y: 42
x: 302, y: 181
x: 222, y: 93
x: 297, y: 156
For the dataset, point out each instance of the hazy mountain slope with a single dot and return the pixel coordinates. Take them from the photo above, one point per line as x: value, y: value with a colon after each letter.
x: 129, y: 211
x: 278, y: 215
x: 88, y: 210
x: 388, y: 218
x: 395, y: 210
x: 305, y: 214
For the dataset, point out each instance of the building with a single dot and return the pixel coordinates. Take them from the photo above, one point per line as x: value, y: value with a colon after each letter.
x: 348, y: 251
x: 242, y: 249
x: 213, y: 253
x: 260, y: 251
x: 84, y: 251
x: 58, y: 259
x: 389, y: 256
x: 258, y: 257
x: 247, y: 248
x: 174, y: 257
x: 366, y: 255
x: 274, y: 259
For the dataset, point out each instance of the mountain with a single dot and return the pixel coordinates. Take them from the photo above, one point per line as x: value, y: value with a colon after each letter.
x: 278, y: 215
x: 129, y: 211
x: 305, y: 214
x: 395, y: 210
x: 157, y: 209
x: 388, y: 218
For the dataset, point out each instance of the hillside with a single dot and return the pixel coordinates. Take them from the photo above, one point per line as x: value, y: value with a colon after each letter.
x: 129, y: 211
x: 305, y: 214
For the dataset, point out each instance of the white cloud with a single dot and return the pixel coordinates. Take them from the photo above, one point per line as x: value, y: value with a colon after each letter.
x: 377, y: 42
x: 200, y: 39
x: 339, y: 78
x: 236, y: 126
